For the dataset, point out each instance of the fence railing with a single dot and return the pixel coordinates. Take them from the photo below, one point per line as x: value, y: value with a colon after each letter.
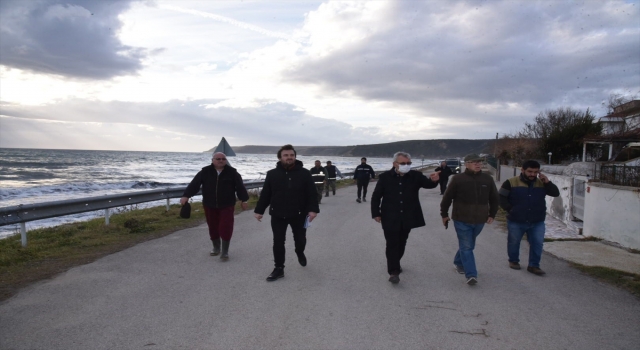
x: 620, y: 175
x: 20, y: 214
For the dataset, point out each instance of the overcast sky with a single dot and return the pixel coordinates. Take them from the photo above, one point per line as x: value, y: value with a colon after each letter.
x: 179, y: 75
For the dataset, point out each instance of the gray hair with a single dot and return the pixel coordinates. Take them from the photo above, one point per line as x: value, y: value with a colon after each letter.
x: 403, y: 154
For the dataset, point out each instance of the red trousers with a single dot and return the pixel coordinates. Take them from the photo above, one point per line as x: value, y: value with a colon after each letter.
x: 220, y: 222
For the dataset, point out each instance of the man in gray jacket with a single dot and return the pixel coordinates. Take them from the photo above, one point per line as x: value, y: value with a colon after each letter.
x: 475, y: 202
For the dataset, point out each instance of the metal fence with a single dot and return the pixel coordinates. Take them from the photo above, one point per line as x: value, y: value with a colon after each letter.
x: 20, y: 214
x: 620, y: 175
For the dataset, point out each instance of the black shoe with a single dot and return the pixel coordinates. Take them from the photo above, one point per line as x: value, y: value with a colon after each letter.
x: 327, y: 195
x: 334, y: 193
x: 364, y: 199
x: 358, y: 200
x: 278, y: 272
x: 535, y: 270
x: 459, y: 269
x: 514, y: 265
x: 394, y: 279
x: 302, y: 259
x: 472, y: 281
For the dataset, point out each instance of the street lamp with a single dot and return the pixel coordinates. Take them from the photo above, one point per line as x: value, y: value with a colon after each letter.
x: 549, y: 158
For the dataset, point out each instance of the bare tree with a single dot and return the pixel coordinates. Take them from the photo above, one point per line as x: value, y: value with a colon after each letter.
x: 561, y: 131
x: 616, y: 100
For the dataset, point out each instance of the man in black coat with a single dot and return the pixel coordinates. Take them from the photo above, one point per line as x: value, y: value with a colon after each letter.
x: 444, y: 172
x: 363, y: 173
x: 219, y: 182
x: 292, y: 198
x: 400, y: 210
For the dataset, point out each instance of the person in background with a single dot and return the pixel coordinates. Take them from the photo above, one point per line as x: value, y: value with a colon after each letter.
x: 444, y: 172
x: 219, y: 183
x: 475, y: 202
x: 291, y: 196
x: 396, y: 205
x: 523, y: 198
x: 331, y: 171
x: 319, y: 176
x: 363, y: 173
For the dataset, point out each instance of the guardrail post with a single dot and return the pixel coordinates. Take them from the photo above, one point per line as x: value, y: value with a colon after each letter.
x: 23, y: 233
x: 167, y: 204
x: 106, y: 216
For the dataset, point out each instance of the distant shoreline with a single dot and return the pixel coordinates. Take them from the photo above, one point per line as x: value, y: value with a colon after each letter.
x: 432, y: 149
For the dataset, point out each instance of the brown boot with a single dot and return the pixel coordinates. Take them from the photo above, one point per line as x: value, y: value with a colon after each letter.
x: 535, y: 270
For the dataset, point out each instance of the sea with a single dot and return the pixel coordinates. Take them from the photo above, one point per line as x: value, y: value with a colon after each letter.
x: 42, y: 175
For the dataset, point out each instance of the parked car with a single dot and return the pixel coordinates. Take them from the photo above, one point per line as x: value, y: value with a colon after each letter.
x: 454, y: 165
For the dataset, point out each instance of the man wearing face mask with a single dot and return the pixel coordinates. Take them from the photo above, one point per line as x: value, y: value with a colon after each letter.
x: 396, y: 205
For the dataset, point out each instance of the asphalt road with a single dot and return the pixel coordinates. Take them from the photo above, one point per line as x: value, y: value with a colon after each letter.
x: 170, y: 294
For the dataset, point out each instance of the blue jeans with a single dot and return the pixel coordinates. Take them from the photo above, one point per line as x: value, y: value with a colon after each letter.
x: 467, y: 234
x: 535, y: 236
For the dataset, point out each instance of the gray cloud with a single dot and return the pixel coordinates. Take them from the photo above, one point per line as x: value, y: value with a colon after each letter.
x: 272, y: 123
x: 72, y: 38
x: 536, y: 54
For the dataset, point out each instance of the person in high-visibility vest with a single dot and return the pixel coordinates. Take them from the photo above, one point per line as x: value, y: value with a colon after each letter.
x: 319, y: 175
x: 331, y: 171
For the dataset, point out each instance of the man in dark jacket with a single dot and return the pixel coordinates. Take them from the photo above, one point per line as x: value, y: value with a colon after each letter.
x: 444, y: 171
x: 363, y: 173
x: 523, y: 198
x: 220, y: 183
x: 291, y: 196
x: 475, y: 202
x: 400, y: 209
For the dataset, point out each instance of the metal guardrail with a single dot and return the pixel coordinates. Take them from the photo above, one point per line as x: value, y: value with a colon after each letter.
x: 20, y: 214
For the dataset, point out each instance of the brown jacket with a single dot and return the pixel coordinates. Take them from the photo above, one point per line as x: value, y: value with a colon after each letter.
x: 474, y: 195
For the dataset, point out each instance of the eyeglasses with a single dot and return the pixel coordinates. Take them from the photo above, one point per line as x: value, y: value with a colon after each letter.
x: 220, y: 158
x: 405, y: 163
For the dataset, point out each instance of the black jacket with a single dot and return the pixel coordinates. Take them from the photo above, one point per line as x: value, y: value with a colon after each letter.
x: 288, y: 192
x: 400, y: 206
x: 318, y: 174
x: 218, y: 191
x: 364, y: 172
x: 444, y: 173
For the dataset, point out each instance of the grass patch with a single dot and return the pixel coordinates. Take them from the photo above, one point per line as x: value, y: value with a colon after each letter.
x: 625, y: 280
x: 53, y: 250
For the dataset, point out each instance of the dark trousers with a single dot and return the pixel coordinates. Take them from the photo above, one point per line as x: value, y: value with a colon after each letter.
x: 279, y: 227
x: 220, y: 222
x: 362, y: 187
x: 396, y: 242
x: 443, y: 185
x: 319, y: 189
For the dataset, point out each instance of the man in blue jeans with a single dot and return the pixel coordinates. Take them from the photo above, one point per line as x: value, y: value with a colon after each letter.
x: 475, y: 202
x: 523, y: 198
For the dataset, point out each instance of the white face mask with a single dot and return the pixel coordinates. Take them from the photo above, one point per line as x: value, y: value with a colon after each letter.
x: 404, y: 168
